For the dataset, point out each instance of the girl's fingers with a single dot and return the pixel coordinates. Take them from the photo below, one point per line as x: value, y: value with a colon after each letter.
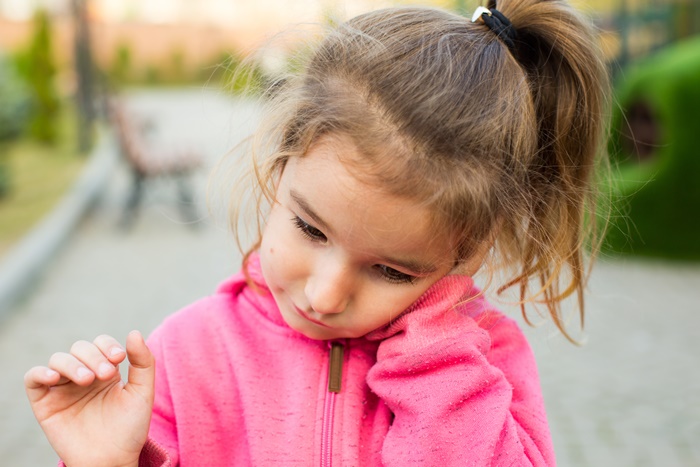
x: 94, y: 359
x: 142, y: 368
x: 110, y: 348
x: 71, y: 368
x: 37, y: 381
x: 85, y: 362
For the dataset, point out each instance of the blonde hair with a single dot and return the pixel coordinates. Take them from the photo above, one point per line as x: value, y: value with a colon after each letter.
x: 498, y: 143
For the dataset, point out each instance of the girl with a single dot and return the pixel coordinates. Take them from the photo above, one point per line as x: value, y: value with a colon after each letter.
x: 414, y: 148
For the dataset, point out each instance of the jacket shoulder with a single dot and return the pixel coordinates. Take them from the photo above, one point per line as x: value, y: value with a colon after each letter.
x: 204, y: 315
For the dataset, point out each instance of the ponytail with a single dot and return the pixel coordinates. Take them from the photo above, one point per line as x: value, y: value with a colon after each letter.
x: 557, y: 49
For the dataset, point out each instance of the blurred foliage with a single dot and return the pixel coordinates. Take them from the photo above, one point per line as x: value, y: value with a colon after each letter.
x: 120, y: 70
x: 176, y: 66
x: 654, y: 145
x: 41, y: 174
x: 152, y: 75
x: 229, y: 70
x: 15, y: 101
x: 242, y: 76
x: 14, y: 115
x: 37, y: 65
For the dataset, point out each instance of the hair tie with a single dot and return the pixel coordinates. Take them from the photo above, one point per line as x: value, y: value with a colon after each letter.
x: 498, y: 23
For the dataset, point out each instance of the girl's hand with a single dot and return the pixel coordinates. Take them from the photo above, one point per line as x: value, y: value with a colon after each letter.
x: 90, y: 417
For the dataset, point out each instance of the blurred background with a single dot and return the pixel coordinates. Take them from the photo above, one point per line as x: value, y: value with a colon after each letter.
x: 113, y: 113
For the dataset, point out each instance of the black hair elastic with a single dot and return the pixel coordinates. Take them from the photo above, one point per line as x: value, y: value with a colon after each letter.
x: 498, y: 23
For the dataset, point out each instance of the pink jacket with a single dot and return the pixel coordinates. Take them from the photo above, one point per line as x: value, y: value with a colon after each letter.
x: 450, y: 382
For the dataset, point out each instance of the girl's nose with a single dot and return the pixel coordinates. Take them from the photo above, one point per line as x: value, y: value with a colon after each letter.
x: 328, y: 289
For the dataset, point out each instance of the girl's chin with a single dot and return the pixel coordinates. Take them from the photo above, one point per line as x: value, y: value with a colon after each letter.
x: 307, y: 328
x: 315, y: 335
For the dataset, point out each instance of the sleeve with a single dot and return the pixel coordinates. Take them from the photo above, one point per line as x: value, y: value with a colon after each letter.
x: 152, y: 455
x: 460, y: 395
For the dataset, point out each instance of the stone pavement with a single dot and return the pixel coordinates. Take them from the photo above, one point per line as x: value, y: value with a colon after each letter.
x: 629, y: 397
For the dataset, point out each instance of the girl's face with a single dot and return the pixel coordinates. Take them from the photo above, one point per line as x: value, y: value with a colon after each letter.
x: 341, y: 257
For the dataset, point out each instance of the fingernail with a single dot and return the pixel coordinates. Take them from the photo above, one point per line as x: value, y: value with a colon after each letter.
x: 82, y: 372
x: 116, y: 351
x: 137, y: 333
x: 104, y: 368
x: 51, y: 373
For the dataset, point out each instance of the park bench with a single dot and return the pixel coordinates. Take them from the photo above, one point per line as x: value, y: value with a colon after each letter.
x: 147, y: 162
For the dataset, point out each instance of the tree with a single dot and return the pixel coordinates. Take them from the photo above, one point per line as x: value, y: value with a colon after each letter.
x: 39, y: 69
x: 85, y: 75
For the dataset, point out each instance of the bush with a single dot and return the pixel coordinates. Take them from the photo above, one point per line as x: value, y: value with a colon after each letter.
x: 120, y: 71
x: 14, y: 101
x: 654, y: 144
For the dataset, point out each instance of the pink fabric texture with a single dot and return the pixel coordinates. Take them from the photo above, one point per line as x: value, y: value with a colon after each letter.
x: 450, y: 382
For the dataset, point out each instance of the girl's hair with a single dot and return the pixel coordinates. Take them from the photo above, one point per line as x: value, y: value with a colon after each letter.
x: 500, y: 144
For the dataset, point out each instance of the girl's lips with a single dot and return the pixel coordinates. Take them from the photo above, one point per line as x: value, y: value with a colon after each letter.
x: 303, y: 314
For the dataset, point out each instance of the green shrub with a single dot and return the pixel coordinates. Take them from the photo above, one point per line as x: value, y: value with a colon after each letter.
x: 14, y: 101
x: 152, y: 75
x: 120, y: 70
x: 177, y: 71
x: 659, y: 174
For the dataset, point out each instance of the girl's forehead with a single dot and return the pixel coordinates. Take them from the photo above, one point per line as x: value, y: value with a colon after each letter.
x: 325, y: 186
x: 334, y: 166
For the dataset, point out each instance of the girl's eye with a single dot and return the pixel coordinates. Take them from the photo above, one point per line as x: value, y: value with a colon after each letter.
x: 394, y: 276
x: 310, y: 232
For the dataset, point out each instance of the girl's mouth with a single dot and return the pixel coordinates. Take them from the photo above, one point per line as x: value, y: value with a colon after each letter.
x: 304, y: 315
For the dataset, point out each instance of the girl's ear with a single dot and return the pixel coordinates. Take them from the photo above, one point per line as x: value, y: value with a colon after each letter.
x: 471, y: 266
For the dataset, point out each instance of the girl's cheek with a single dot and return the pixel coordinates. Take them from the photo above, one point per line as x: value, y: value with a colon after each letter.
x: 269, y: 252
x: 280, y: 252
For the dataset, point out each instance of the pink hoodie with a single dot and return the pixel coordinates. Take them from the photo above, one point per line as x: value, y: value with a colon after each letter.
x: 450, y: 382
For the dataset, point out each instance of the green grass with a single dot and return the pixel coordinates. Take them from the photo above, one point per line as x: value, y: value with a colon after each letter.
x: 40, y: 176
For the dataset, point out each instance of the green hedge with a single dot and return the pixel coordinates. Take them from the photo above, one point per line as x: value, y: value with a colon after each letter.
x: 658, y: 198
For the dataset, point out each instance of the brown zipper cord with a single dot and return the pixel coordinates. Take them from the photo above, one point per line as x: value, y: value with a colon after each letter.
x: 335, y: 369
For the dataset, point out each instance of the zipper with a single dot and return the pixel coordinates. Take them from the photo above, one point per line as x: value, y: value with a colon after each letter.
x: 335, y: 377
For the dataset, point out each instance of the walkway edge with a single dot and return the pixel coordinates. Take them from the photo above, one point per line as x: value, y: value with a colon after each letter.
x: 25, y: 262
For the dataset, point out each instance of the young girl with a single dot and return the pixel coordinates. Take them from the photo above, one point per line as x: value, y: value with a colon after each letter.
x: 414, y: 148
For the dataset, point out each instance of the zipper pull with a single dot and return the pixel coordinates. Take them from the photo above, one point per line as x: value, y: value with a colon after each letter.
x: 335, y: 368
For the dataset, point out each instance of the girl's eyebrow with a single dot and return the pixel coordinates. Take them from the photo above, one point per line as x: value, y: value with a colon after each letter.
x: 410, y: 265
x: 304, y: 205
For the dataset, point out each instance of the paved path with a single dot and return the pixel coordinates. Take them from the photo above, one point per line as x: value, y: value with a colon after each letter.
x: 629, y: 397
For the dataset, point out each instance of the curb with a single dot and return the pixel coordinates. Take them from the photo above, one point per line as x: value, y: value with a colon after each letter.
x: 21, y: 266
